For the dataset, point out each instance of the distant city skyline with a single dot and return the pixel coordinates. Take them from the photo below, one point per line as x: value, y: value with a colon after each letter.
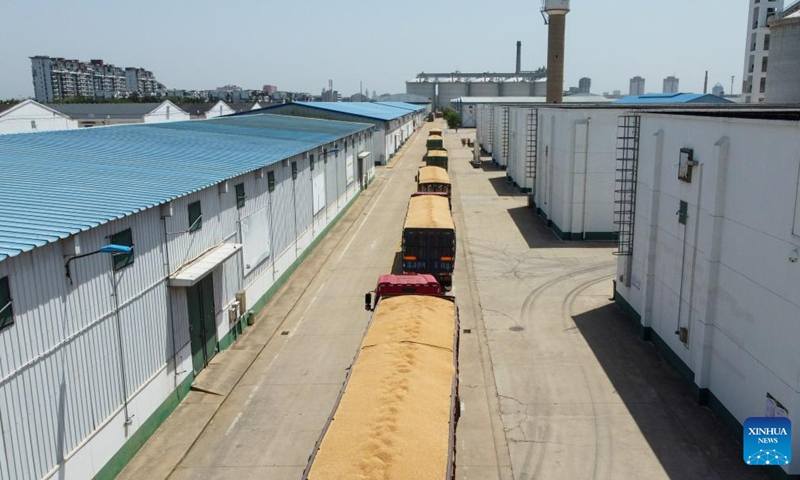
x: 180, y: 48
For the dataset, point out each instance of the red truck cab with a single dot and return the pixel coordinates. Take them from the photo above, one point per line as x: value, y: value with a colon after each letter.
x: 406, y: 284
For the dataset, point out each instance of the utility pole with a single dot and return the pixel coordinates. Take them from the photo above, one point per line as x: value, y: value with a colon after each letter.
x: 732, y: 77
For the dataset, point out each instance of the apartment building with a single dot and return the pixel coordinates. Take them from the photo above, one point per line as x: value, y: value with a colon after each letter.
x: 56, y: 79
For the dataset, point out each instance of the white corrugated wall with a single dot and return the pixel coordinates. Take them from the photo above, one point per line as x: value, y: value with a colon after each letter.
x: 61, y: 389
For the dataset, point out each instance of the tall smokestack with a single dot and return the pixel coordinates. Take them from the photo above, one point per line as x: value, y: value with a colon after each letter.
x: 519, y: 57
x: 556, y: 16
x: 705, y: 83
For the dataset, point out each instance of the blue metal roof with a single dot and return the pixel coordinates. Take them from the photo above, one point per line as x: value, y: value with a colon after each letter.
x: 361, y: 109
x: 403, y: 105
x: 55, y: 184
x: 663, y: 98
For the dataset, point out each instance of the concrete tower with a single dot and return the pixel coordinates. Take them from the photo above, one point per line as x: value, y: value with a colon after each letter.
x: 555, y: 12
x: 756, y: 54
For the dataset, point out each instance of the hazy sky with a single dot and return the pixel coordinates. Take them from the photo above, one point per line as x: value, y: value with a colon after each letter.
x: 299, y: 45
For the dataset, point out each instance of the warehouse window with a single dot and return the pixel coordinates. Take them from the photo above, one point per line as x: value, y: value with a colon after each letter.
x: 683, y: 212
x: 6, y: 311
x: 195, y: 217
x: 271, y: 180
x: 240, y: 195
x: 122, y: 260
x: 294, y: 170
x: 685, y: 164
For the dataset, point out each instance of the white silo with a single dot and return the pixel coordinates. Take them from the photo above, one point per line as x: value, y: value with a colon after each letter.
x: 450, y: 90
x: 783, y: 81
x: 516, y: 87
x: 556, y: 16
x: 484, y: 87
x: 422, y: 88
x: 540, y: 87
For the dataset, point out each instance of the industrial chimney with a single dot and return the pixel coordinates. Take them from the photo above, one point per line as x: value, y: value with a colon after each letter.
x: 555, y: 14
x: 519, y: 57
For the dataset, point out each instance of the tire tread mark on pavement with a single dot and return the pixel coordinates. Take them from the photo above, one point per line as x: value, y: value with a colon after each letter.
x: 527, y: 314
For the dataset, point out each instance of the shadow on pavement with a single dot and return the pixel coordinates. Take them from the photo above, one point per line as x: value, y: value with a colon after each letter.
x: 538, y: 235
x: 397, y: 265
x: 490, y: 166
x: 504, y: 187
x: 688, y: 439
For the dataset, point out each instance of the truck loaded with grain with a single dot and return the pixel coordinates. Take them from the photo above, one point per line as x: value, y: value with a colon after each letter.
x: 429, y: 238
x: 395, y: 418
x: 433, y: 180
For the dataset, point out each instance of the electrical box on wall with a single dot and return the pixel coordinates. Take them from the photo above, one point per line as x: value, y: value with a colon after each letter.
x: 685, y: 165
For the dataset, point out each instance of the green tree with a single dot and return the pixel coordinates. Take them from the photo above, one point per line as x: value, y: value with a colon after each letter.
x: 452, y: 118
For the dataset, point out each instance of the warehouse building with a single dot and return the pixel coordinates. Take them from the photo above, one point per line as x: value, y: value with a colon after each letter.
x: 468, y: 107
x: 97, y: 114
x: 708, y: 266
x: 487, y: 112
x: 394, y: 122
x: 565, y: 158
x: 32, y: 116
x: 130, y: 255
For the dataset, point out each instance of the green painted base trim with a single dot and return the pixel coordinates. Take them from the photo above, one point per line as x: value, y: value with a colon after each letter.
x: 672, y: 358
x: 135, y: 442
x: 114, y: 466
x: 707, y: 398
x: 557, y: 230
x: 703, y: 396
x: 259, y: 304
x: 633, y: 316
x: 237, y: 329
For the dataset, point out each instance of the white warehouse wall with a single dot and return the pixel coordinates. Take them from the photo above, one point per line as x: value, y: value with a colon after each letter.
x: 522, y: 147
x: 575, y: 172
x: 30, y: 116
x: 500, y: 135
x: 726, y: 275
x: 166, y: 112
x: 61, y: 378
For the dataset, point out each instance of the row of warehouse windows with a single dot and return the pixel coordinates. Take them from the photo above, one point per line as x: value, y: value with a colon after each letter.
x: 125, y: 237
x: 6, y: 310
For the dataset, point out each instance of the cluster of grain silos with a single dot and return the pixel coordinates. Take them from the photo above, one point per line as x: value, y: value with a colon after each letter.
x: 442, y: 91
x: 442, y: 88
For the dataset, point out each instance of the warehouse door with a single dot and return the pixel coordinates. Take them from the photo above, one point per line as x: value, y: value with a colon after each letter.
x: 202, y: 323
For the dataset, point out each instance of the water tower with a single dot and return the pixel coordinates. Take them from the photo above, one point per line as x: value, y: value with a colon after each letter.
x: 555, y: 15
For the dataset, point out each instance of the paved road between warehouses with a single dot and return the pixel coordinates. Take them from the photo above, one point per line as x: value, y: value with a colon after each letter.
x: 258, y: 409
x: 554, y: 382
x: 581, y: 397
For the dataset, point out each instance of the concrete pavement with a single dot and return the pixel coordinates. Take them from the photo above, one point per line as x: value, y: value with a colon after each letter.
x: 580, y: 396
x: 553, y: 380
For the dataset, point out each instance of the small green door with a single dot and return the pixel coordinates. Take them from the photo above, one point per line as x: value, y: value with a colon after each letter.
x: 202, y: 323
